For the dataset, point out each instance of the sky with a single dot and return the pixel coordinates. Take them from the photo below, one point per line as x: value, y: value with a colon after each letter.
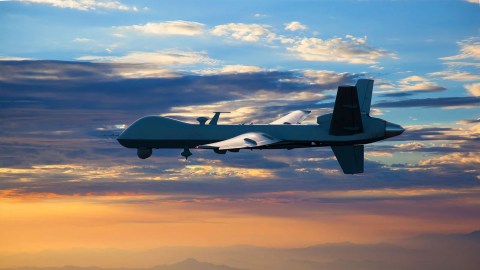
x: 73, y: 74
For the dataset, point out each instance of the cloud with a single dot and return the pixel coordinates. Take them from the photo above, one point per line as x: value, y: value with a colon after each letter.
x: 473, y: 89
x: 245, y: 32
x: 184, y: 28
x: 462, y: 64
x: 463, y: 133
x: 409, y: 86
x: 215, y: 172
x: 295, y: 26
x: 470, y: 158
x: 298, y: 90
x: 378, y: 154
x: 472, y: 1
x: 22, y: 71
x: 469, y: 49
x: 84, y: 5
x: 27, y: 71
x: 160, y: 64
x: 456, y: 75
x: 13, y: 58
x: 258, y: 107
x: 81, y: 40
x: 350, y: 49
x: 271, y: 93
x: 446, y: 102
x: 231, y: 69
x: 418, y: 84
x: 469, y: 121
x: 410, y: 146
x: 467, y: 69
x: 327, y: 77
x: 161, y: 58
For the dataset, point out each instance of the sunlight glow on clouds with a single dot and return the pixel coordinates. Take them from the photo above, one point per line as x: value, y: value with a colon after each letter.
x: 473, y: 89
x: 325, y: 76
x: 215, y: 171
x: 244, y: 32
x: 83, y: 4
x: 410, y: 146
x: 413, y: 84
x: 469, y: 49
x: 78, y: 172
x: 295, y: 26
x: 231, y: 69
x: 463, y: 66
x: 456, y: 75
x: 418, y: 83
x: 144, y: 71
x: 162, y: 58
x: 186, y: 28
x: 350, y: 49
x: 471, y: 158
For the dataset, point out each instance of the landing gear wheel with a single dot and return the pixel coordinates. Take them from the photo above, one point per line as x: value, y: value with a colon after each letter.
x: 144, y: 152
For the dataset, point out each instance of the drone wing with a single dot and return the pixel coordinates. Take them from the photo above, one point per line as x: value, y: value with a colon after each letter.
x: 243, y: 141
x: 293, y: 118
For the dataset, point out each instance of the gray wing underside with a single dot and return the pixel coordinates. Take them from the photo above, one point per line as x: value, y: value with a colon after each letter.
x: 293, y: 118
x: 246, y: 140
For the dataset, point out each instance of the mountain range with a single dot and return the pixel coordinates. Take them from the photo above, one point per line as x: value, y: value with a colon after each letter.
x: 453, y: 251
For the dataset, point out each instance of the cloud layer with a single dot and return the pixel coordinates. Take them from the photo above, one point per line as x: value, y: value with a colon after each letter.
x: 349, y: 49
x: 84, y: 5
x: 186, y: 28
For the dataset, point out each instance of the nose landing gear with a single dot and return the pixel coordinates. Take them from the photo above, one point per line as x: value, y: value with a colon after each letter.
x: 186, y: 153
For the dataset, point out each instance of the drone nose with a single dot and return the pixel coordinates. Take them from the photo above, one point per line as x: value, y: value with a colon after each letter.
x: 392, y: 130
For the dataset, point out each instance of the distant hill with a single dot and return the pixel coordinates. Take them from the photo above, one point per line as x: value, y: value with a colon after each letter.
x: 432, y: 251
x: 192, y: 264
x: 188, y: 264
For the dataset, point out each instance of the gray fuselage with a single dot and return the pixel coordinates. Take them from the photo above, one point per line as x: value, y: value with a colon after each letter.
x: 163, y: 132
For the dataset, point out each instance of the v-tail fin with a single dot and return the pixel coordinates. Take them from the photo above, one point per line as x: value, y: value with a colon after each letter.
x: 346, y: 117
x: 364, y: 91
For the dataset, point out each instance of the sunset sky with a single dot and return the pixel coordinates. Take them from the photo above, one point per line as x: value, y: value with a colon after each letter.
x: 72, y: 73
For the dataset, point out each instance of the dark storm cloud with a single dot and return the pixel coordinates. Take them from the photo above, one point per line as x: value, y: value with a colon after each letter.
x: 431, y: 102
x: 60, y: 86
x: 39, y: 98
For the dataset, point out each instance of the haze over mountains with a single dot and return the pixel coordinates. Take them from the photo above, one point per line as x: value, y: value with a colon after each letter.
x: 456, y: 251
